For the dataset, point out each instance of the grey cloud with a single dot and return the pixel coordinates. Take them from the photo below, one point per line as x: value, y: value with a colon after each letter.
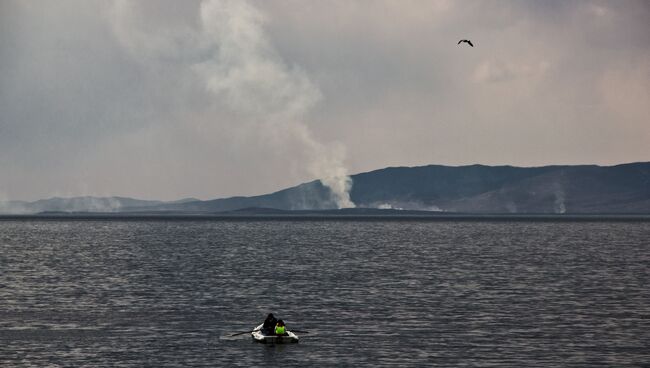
x: 116, y: 98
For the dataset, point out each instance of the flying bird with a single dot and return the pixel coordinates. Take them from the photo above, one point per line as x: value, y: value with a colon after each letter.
x: 467, y: 41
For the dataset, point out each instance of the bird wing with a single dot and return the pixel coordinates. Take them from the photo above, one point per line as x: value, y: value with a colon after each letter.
x: 459, y: 42
x: 470, y: 43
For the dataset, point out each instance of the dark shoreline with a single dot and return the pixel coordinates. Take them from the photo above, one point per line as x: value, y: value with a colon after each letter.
x: 327, y: 216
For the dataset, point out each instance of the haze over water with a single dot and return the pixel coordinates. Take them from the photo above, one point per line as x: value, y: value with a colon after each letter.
x: 403, y: 293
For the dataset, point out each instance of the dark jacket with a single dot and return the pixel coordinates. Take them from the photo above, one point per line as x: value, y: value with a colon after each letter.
x: 268, y: 327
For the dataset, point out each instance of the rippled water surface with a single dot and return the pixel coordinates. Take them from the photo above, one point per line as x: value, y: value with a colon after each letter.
x: 403, y: 293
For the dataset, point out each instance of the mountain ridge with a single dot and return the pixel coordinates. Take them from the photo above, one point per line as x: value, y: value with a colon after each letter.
x: 621, y: 188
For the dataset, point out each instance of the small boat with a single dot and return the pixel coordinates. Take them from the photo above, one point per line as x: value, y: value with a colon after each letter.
x: 287, y: 338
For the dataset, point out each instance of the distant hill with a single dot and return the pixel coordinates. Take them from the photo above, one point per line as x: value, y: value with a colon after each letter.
x: 469, y: 189
x: 75, y: 204
x: 308, y: 196
x: 580, y: 189
x: 506, y: 189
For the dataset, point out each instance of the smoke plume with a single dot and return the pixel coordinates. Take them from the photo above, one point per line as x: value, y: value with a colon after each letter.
x: 233, y: 58
x: 559, y: 205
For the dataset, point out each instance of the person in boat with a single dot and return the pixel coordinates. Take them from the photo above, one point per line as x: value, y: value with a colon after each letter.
x: 268, y: 328
x: 280, y: 328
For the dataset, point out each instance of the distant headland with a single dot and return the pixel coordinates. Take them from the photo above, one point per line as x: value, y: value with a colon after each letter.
x: 432, y: 190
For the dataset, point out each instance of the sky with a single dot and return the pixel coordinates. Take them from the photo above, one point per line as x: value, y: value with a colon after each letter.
x: 171, y: 99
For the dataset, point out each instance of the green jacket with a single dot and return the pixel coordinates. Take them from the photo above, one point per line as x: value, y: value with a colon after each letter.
x: 279, y: 330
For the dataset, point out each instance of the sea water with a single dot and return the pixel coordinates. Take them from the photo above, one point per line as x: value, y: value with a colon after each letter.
x: 169, y: 293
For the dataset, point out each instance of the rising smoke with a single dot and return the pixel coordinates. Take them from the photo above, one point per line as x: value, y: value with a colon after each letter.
x: 559, y: 205
x: 235, y: 61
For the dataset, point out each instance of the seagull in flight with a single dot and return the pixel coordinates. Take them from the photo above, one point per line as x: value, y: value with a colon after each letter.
x: 466, y: 41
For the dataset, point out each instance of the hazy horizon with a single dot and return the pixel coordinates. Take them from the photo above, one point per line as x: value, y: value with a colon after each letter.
x: 209, y: 99
x: 289, y: 186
